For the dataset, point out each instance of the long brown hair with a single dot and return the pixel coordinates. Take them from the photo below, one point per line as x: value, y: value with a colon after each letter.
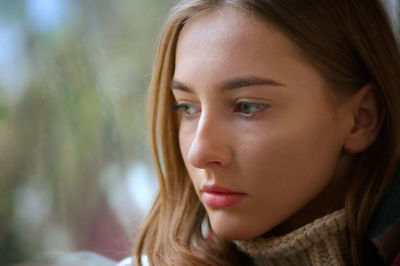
x: 351, y: 43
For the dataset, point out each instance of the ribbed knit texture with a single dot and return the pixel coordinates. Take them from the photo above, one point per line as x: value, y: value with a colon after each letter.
x: 322, y: 242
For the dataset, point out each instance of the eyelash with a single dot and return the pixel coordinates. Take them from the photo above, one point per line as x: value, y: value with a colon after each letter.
x: 183, y: 107
x: 260, y: 107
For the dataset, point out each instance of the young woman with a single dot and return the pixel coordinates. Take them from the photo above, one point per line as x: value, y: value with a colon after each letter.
x: 275, y: 132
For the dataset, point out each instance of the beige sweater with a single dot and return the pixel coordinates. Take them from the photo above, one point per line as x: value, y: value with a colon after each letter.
x: 322, y: 242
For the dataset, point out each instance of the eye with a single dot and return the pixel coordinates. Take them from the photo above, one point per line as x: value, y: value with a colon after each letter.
x: 187, y: 109
x: 249, y: 109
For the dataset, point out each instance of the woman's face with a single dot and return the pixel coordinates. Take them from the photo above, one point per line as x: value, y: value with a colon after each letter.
x: 259, y: 137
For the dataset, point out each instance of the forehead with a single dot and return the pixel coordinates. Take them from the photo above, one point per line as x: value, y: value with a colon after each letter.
x: 226, y: 43
x: 227, y: 31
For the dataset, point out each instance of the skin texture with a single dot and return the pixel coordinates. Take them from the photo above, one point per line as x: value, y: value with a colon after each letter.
x: 284, y: 150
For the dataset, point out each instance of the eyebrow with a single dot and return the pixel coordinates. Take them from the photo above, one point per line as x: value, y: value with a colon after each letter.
x: 234, y: 83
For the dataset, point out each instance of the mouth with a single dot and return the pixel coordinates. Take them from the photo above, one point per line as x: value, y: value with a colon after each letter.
x: 218, y: 196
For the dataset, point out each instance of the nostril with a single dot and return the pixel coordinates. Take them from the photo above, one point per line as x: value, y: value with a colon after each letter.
x: 214, y: 163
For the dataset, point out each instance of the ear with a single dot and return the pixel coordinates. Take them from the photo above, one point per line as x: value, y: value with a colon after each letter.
x: 367, y: 119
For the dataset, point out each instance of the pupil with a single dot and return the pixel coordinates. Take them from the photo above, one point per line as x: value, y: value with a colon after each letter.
x: 187, y: 109
x: 249, y: 108
x: 246, y: 108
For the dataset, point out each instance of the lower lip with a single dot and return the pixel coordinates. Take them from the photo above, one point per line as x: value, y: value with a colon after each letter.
x: 222, y: 199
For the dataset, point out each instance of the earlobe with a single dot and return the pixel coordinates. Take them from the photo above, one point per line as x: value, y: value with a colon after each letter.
x: 367, y: 118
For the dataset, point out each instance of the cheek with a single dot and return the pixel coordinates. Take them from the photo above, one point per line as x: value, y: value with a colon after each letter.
x: 298, y: 156
x: 291, y: 164
x: 283, y: 170
x: 186, y: 136
x: 185, y: 140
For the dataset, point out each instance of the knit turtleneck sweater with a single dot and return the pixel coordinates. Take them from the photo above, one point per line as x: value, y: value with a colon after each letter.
x: 322, y: 242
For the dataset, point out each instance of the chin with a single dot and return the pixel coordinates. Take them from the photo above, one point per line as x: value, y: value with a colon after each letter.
x: 227, y: 232
x: 230, y: 225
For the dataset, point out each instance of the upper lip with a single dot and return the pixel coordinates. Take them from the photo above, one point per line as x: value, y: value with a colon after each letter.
x: 218, y: 189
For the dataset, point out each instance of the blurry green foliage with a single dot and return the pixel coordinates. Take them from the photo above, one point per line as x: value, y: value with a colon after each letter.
x: 74, y: 106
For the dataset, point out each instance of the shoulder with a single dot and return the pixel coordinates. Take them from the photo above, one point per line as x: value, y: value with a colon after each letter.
x: 131, y: 262
x: 125, y: 262
x: 73, y: 258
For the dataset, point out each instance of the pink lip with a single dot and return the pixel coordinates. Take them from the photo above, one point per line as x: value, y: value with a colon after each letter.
x: 218, y: 196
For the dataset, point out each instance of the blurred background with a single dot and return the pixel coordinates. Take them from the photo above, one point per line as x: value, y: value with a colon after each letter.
x: 75, y: 170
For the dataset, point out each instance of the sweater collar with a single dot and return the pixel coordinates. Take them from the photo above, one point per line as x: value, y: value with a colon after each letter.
x: 322, y: 242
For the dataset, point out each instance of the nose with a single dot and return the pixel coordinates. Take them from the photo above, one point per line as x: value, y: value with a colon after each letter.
x: 210, y: 146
